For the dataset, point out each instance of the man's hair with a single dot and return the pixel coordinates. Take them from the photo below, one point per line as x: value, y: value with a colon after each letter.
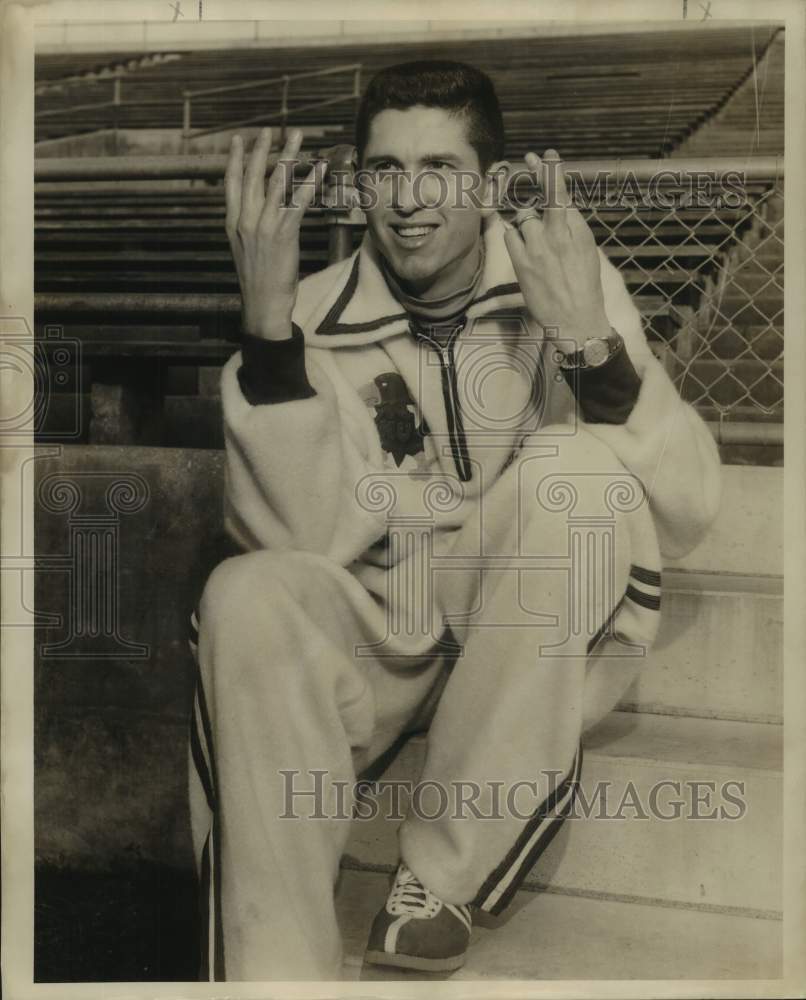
x: 435, y: 83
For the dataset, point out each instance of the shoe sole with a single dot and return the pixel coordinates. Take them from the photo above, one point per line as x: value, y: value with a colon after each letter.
x: 449, y: 964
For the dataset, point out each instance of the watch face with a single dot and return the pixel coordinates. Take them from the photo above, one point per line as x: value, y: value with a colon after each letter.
x: 596, y: 352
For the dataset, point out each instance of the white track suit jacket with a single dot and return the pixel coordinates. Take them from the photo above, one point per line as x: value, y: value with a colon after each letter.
x: 389, y: 416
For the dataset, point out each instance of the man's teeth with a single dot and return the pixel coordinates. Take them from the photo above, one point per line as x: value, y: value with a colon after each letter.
x: 414, y: 230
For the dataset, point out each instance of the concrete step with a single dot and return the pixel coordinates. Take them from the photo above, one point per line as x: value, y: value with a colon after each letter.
x: 556, y: 936
x: 718, y: 653
x: 746, y: 539
x: 631, y: 852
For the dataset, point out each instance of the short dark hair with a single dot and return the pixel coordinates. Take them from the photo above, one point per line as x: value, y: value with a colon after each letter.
x: 437, y: 83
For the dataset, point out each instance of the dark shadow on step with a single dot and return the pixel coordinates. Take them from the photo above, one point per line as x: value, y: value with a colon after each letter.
x: 138, y: 924
x: 383, y: 974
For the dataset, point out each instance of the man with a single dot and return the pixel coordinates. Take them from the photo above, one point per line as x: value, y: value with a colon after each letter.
x: 435, y: 532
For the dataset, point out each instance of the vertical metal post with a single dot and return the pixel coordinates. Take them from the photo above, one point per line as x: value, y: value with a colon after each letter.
x: 116, y: 88
x: 185, y: 120
x: 340, y: 241
x: 356, y: 87
x: 284, y: 108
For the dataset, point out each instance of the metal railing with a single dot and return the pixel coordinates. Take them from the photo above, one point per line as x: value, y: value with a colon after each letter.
x: 284, y: 82
x: 282, y: 115
x: 706, y: 274
x: 115, y: 103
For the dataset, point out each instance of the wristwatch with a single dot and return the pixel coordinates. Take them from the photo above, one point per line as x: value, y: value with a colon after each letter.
x: 595, y: 352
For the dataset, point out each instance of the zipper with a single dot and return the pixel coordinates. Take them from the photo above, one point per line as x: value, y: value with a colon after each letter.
x: 450, y: 396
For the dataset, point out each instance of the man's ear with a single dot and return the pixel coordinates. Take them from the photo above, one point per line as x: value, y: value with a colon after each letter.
x: 494, y: 187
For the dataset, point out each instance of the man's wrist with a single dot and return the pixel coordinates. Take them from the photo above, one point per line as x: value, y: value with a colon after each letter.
x: 269, y: 331
x: 594, y: 352
x: 271, y: 324
x: 607, y: 388
x: 574, y: 338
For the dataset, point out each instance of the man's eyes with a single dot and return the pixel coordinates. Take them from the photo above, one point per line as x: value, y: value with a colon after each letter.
x: 388, y: 166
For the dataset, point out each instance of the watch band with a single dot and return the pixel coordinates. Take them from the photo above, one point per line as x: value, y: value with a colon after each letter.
x: 583, y: 358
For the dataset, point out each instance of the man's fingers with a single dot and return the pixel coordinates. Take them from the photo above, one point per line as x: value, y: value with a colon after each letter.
x: 292, y: 144
x: 555, y: 179
x: 254, y: 177
x: 529, y: 227
x: 282, y: 176
x: 555, y: 193
x: 304, y: 193
x: 233, y: 183
x: 515, y: 245
x: 311, y: 186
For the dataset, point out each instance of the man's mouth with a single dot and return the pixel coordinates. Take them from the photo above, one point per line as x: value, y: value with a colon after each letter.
x: 413, y: 235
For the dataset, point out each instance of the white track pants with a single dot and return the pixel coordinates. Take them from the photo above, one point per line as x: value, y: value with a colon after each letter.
x: 281, y: 689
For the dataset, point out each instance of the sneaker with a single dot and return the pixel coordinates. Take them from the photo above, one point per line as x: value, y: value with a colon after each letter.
x: 416, y: 930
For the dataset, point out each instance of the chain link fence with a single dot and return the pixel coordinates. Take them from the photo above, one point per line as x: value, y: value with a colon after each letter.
x: 700, y: 244
x: 708, y: 278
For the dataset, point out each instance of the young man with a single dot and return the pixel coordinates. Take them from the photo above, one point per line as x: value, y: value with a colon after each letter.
x: 453, y: 469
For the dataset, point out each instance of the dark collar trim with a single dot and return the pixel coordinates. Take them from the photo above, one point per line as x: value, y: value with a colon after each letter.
x: 509, y: 289
x: 330, y: 325
x: 330, y: 321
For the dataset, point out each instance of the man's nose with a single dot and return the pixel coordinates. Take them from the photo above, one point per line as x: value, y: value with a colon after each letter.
x: 403, y: 193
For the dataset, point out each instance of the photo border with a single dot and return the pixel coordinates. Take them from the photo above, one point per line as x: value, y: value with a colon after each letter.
x: 16, y: 301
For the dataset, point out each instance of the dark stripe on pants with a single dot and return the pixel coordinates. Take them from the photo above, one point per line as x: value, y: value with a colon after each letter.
x: 200, y: 763
x: 643, y: 575
x: 543, y: 841
x: 204, y: 912
x: 650, y: 601
x: 220, y: 969
x: 544, y: 810
x: 604, y: 629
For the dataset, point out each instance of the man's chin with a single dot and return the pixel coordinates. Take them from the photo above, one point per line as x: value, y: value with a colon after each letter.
x: 413, y: 267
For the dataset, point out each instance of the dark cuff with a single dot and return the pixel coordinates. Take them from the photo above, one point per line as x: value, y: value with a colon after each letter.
x: 607, y: 394
x: 273, y: 371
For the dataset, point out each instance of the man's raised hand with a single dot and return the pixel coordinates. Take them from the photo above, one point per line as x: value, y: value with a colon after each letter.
x: 263, y: 225
x: 556, y: 260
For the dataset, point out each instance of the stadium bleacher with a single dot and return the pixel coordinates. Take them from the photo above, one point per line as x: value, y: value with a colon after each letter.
x: 752, y: 121
x: 660, y: 87
x: 112, y: 259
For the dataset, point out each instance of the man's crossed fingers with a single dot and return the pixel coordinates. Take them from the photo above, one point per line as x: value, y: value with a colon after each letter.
x: 555, y: 257
x: 561, y: 221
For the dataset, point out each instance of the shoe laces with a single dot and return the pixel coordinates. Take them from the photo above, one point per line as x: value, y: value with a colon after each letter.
x: 410, y: 897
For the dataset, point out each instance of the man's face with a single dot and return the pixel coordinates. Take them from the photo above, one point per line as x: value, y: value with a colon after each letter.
x: 422, y: 224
